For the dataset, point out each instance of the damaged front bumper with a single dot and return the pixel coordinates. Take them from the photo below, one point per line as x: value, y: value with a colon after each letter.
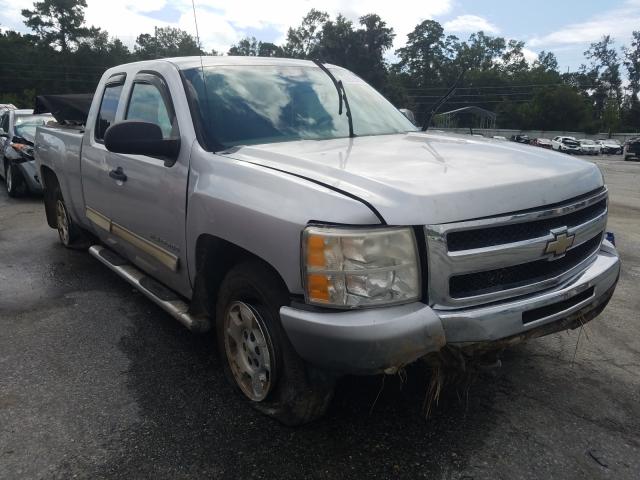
x: 383, y: 339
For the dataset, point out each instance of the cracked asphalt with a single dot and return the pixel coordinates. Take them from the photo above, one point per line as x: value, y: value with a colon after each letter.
x: 97, y: 382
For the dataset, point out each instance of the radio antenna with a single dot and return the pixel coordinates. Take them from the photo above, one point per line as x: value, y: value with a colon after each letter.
x: 204, y: 79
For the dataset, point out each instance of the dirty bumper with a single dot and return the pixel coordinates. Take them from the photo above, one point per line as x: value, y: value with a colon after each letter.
x: 377, y: 340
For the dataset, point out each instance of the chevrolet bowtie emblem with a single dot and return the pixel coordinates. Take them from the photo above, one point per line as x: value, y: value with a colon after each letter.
x: 560, y: 244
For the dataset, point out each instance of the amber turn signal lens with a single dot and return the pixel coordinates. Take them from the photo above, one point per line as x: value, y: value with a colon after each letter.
x: 315, y: 251
x: 318, y: 287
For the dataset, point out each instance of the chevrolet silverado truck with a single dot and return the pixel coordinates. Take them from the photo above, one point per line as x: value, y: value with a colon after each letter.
x: 291, y: 209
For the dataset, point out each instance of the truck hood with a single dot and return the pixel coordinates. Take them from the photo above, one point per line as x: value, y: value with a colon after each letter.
x: 430, y: 178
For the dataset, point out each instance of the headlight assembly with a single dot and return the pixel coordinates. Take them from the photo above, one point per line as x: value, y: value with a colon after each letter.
x: 360, y: 267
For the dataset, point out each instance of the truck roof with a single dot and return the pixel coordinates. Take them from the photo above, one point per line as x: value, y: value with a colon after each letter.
x: 185, y: 63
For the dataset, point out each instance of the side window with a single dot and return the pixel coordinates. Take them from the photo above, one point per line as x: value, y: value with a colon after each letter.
x: 5, y: 122
x: 148, y: 104
x: 108, y: 107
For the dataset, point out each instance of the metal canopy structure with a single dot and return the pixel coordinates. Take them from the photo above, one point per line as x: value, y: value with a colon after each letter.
x: 475, y: 117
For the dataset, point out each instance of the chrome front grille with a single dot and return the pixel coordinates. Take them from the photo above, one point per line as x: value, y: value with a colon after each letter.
x: 491, y: 259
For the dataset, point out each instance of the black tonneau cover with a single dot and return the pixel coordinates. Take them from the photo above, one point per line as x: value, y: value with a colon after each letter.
x: 71, y: 109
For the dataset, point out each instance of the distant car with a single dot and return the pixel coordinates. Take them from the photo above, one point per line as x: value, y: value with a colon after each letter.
x: 609, y: 145
x: 17, y: 165
x: 565, y: 144
x: 499, y: 137
x: 589, y: 147
x: 632, y: 149
x: 5, y: 107
x: 541, y: 142
x: 520, y: 139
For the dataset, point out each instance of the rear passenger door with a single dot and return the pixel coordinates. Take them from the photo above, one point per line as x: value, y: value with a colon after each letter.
x: 148, y: 208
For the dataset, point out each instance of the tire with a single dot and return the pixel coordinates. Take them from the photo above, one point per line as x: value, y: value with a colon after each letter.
x: 68, y: 232
x: 258, y: 359
x: 13, y: 180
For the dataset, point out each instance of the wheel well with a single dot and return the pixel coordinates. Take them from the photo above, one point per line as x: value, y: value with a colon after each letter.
x: 50, y: 183
x: 214, y: 258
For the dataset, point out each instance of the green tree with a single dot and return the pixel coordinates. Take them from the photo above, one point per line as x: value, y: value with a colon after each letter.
x: 250, y: 47
x: 268, y: 49
x: 166, y: 42
x: 480, y: 51
x: 375, y: 39
x: 247, y: 47
x: 605, y: 71
x: 303, y: 40
x: 424, y: 54
x: 513, y: 62
x: 546, y: 61
x: 632, y: 65
x: 58, y: 23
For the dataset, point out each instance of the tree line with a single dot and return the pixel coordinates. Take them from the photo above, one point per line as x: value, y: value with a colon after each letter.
x: 61, y: 54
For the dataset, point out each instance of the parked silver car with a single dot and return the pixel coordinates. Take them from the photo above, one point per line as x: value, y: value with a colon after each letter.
x: 610, y: 146
x: 17, y: 133
x: 589, y: 147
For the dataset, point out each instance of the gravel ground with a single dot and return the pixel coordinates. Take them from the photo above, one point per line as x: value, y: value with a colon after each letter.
x: 96, y: 382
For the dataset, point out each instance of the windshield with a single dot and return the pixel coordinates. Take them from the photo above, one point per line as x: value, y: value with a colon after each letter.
x: 25, y: 125
x: 264, y: 104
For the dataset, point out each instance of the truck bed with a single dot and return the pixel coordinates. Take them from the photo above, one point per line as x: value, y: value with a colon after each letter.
x: 58, y: 147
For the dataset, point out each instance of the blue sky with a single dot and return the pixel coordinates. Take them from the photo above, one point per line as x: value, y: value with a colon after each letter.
x: 565, y: 27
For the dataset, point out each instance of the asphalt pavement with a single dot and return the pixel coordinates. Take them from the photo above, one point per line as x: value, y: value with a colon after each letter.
x: 97, y: 382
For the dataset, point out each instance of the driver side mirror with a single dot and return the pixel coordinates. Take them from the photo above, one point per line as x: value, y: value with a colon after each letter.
x: 409, y: 114
x: 141, y: 138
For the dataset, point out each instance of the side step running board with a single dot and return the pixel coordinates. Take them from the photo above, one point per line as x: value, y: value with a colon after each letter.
x: 166, y: 299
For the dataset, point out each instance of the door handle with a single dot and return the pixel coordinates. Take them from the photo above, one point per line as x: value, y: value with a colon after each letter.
x: 118, y: 174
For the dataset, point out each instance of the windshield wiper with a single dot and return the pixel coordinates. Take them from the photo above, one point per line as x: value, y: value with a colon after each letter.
x: 439, y: 103
x: 342, y: 95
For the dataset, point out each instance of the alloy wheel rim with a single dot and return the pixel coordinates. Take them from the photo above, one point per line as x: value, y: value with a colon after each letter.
x: 62, y: 221
x: 249, y: 351
x: 9, y: 178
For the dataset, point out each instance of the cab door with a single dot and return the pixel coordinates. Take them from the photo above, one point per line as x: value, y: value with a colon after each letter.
x: 148, y: 194
x: 97, y: 187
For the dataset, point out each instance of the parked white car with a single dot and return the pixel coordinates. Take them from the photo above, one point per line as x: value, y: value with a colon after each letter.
x: 566, y: 144
x: 589, y: 147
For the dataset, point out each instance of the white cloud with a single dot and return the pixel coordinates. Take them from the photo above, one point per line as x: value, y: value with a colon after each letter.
x: 225, y: 21
x: 529, y: 55
x: 470, y: 24
x: 619, y: 23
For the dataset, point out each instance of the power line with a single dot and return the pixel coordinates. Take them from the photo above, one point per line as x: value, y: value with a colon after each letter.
x: 480, y: 102
x: 27, y: 64
x: 486, y: 87
x: 499, y: 94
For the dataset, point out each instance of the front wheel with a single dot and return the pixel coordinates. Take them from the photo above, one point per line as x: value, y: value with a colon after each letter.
x: 257, y: 356
x: 14, y: 181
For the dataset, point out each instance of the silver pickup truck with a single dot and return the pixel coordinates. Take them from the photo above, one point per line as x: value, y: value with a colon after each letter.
x: 290, y: 208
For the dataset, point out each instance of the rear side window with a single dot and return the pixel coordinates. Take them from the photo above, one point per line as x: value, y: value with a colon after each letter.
x: 108, y: 108
x: 148, y: 104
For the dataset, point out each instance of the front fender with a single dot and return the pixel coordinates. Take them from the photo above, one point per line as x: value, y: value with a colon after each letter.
x: 261, y: 210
